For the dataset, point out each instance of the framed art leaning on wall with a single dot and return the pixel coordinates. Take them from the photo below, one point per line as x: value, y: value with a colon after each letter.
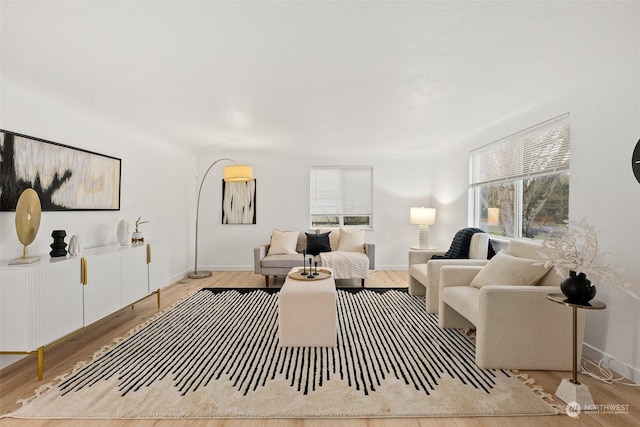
x: 65, y: 178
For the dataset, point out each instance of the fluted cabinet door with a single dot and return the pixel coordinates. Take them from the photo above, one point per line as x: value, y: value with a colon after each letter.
x: 102, y: 289
x: 15, y: 312
x: 56, y: 301
x: 39, y: 303
x: 133, y: 274
x: 158, y: 265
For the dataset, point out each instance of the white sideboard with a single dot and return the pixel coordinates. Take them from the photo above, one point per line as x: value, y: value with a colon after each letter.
x: 41, y: 303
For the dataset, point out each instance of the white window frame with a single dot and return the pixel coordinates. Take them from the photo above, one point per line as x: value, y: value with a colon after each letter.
x: 541, y: 150
x: 341, y: 192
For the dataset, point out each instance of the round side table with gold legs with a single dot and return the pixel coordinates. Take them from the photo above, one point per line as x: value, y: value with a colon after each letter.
x: 570, y: 389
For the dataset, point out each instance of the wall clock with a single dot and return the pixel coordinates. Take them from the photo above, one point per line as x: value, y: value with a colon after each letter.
x: 635, y: 161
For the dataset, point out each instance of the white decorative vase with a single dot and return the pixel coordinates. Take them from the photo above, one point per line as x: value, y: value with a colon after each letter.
x: 123, y: 232
x: 74, y: 245
x: 137, y: 238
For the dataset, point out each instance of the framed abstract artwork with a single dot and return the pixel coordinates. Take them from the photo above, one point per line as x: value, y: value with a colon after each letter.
x: 239, y: 202
x: 65, y: 178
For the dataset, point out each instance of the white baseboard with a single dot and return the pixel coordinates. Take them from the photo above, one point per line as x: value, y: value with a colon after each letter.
x: 596, y: 355
x: 392, y: 267
x: 9, y: 359
x: 227, y: 267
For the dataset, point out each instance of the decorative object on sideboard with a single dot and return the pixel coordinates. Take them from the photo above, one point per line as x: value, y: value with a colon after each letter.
x: 91, y: 181
x: 75, y: 248
x: 123, y: 232
x: 233, y: 173
x: 635, y: 161
x: 58, y: 247
x: 137, y: 237
x: 423, y: 217
x: 28, y: 213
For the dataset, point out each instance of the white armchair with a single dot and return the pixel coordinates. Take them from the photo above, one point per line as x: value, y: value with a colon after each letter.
x: 424, y: 272
x: 516, y: 326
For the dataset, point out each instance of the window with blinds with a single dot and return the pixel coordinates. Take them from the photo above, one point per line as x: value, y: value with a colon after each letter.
x: 541, y: 150
x: 520, y: 184
x: 341, y: 196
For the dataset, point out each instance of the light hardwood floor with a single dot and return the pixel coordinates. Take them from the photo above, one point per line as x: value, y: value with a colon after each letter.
x: 19, y: 380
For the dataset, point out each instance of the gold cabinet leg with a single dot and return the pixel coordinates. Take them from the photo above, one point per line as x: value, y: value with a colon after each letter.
x: 40, y: 363
x: 158, y: 292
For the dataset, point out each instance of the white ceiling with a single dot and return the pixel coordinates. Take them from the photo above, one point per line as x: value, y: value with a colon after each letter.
x: 385, y: 76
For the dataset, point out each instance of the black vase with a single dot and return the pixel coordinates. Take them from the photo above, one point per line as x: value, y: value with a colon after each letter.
x: 58, y: 247
x: 577, y: 288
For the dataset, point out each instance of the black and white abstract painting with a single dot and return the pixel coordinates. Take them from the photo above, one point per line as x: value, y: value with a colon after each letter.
x: 239, y: 202
x: 64, y: 177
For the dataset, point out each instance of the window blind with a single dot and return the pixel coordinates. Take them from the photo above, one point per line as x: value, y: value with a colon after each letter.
x: 342, y: 190
x: 540, y: 150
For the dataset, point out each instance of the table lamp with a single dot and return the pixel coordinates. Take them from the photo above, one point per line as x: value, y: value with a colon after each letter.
x: 423, y: 217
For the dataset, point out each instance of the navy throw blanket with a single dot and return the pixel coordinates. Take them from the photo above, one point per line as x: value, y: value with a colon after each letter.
x: 460, y: 245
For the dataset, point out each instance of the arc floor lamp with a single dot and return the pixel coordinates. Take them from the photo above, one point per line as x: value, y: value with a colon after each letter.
x: 232, y: 173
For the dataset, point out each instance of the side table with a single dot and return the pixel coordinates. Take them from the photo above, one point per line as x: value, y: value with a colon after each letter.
x: 570, y: 389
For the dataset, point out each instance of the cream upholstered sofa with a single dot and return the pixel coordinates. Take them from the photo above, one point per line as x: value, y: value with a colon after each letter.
x: 424, y: 272
x: 285, y: 251
x: 517, y: 327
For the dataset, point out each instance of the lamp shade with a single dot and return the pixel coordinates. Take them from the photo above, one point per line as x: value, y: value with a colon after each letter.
x: 422, y: 216
x: 493, y: 216
x: 238, y: 173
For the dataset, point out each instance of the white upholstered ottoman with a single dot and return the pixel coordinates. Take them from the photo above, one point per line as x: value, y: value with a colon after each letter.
x: 307, y: 313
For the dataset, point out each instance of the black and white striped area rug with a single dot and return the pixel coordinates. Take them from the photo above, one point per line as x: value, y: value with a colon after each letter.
x: 216, y: 354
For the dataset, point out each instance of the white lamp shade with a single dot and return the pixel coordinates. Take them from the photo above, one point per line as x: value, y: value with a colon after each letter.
x: 422, y: 216
x: 238, y: 173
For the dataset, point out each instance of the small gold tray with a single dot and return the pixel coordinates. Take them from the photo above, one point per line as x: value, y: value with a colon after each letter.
x: 322, y: 274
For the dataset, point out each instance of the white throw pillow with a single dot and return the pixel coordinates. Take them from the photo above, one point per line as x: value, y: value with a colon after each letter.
x: 283, y: 242
x: 505, y: 269
x: 351, y: 240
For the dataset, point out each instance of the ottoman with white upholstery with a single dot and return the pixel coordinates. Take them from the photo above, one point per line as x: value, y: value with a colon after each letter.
x: 307, y: 313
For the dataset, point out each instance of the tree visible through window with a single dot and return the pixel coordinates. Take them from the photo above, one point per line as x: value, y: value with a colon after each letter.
x: 520, y: 184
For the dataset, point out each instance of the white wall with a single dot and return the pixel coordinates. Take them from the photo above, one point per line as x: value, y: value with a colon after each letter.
x: 155, y: 181
x: 605, y: 126
x: 282, y: 202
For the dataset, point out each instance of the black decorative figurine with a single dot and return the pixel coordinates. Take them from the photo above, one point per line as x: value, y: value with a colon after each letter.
x: 58, y: 247
x: 304, y: 263
x: 577, y: 288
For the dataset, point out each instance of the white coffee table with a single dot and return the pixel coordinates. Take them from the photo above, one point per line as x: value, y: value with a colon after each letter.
x: 307, y: 313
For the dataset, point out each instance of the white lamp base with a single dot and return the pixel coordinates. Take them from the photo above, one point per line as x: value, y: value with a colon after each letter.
x: 423, y: 231
x: 579, y: 393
